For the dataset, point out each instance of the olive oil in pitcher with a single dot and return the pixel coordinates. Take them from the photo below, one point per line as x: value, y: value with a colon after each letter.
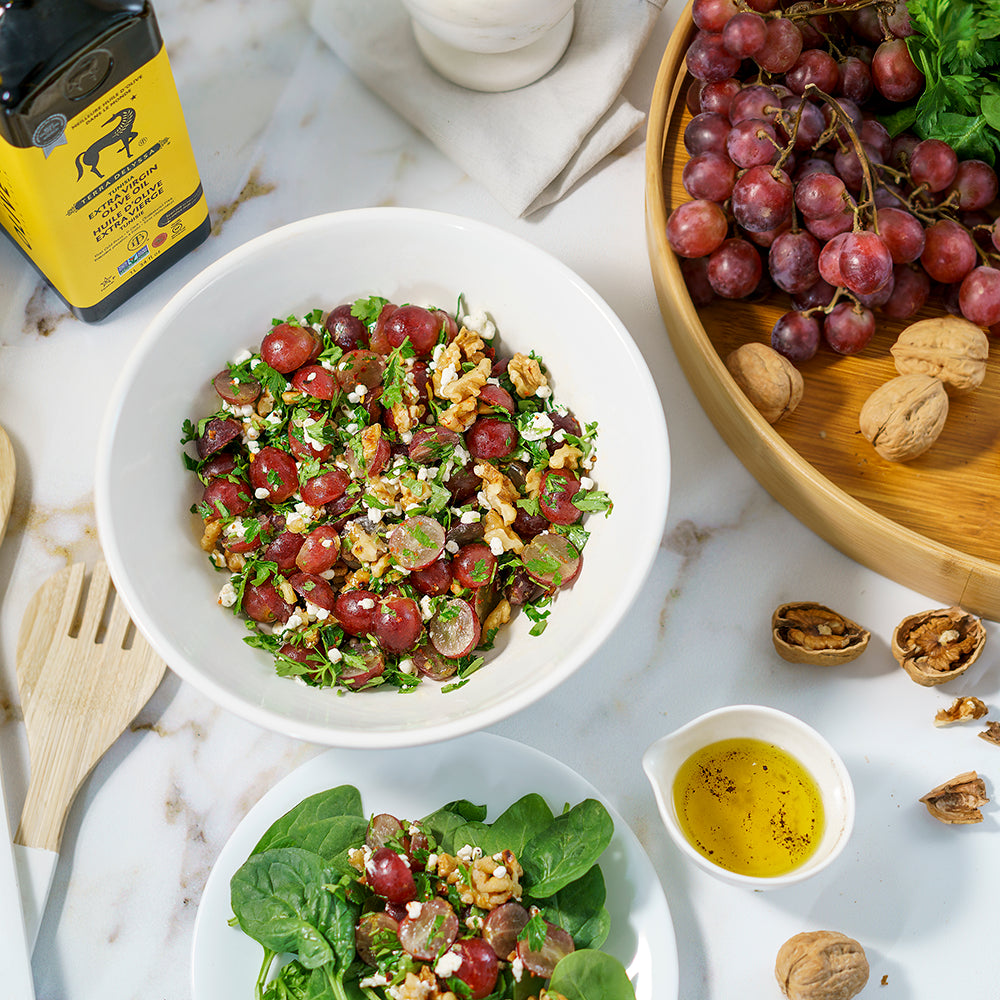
x: 98, y: 183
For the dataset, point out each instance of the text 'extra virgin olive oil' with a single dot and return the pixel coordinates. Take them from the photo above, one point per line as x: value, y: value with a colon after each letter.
x: 749, y: 806
x: 98, y: 183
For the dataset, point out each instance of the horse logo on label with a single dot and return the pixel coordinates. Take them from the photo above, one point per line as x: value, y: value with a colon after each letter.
x: 122, y: 133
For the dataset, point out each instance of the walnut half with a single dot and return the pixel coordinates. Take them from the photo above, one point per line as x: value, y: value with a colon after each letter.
x: 821, y: 965
x: 958, y: 800
x: 935, y: 646
x: 812, y: 633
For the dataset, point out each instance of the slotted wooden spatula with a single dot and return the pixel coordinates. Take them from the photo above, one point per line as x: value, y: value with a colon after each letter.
x: 83, y: 673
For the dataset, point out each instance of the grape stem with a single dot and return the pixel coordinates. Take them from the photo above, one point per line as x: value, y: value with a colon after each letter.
x: 866, y: 166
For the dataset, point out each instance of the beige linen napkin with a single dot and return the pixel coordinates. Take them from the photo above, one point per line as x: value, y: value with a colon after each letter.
x: 528, y: 147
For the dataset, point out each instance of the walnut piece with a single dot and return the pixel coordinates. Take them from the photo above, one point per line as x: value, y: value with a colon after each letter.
x: 821, y: 965
x: 904, y: 417
x: 526, y: 375
x: 769, y: 380
x: 960, y: 710
x: 991, y: 733
x: 958, y: 800
x: 935, y: 646
x: 812, y: 633
x: 948, y: 347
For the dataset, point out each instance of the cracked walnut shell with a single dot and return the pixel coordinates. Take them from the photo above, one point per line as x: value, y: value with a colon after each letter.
x: 821, y: 965
x: 903, y: 417
x: 768, y: 379
x: 812, y: 633
x: 935, y: 646
x: 958, y: 800
x: 948, y: 347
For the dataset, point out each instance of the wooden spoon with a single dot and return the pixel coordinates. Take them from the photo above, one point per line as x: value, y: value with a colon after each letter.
x: 83, y: 673
x: 15, y: 956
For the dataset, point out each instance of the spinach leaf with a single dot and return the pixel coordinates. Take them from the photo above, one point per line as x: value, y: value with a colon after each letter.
x: 279, y: 898
x: 591, y: 975
x: 578, y: 909
x: 325, y: 823
x: 566, y: 849
x: 442, y: 823
x: 512, y: 829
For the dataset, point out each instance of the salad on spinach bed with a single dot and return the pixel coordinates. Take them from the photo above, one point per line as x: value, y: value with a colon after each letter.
x: 447, y: 907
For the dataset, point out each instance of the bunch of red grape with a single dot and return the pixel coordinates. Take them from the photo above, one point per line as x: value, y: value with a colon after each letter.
x: 797, y: 184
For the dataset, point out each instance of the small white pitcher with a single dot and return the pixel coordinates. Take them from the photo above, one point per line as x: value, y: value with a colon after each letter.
x: 663, y: 758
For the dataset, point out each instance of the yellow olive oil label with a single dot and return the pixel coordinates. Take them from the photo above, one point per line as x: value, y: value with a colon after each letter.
x: 98, y: 197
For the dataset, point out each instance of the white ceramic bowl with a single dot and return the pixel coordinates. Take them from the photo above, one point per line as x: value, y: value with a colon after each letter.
x: 663, y: 758
x: 143, y: 493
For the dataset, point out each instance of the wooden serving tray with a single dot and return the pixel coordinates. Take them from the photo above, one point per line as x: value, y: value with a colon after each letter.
x: 929, y: 524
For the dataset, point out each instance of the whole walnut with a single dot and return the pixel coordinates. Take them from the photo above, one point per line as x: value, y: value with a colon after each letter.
x: 768, y: 379
x: 948, y: 347
x: 821, y: 965
x: 903, y: 417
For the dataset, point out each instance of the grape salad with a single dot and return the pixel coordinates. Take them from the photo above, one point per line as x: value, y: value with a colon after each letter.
x: 383, y: 491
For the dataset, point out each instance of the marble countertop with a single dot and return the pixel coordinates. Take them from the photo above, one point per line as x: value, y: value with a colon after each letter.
x: 282, y: 131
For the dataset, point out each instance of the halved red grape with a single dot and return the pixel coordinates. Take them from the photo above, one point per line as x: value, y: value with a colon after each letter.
x: 375, y: 931
x: 345, y: 329
x: 491, y: 437
x: 434, y: 579
x: 390, y: 877
x: 362, y: 664
x: 275, y: 473
x: 288, y: 347
x: 355, y: 610
x: 479, y: 968
x: 225, y: 498
x: 316, y: 381
x: 431, y: 932
x: 542, y: 962
x: 429, y: 444
x: 283, y: 549
x: 325, y: 487
x: 430, y: 663
x: 314, y: 589
x: 454, y: 631
x: 398, y: 624
x: 219, y: 432
x: 417, y: 541
x: 383, y: 828
x: 551, y: 559
x: 414, y: 323
x: 556, y: 492
x: 236, y: 390
x: 503, y: 926
x: 474, y: 565
x: 263, y: 603
x: 360, y: 367
x: 320, y: 550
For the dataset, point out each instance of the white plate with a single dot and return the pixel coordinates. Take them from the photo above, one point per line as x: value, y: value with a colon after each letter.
x: 482, y: 767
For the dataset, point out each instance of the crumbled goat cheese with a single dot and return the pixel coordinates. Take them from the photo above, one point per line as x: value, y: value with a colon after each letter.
x: 241, y: 356
x: 262, y: 493
x: 407, y: 666
x: 448, y: 964
x: 227, y: 596
x: 471, y: 517
x: 538, y: 427
x: 586, y: 483
x: 496, y: 546
x: 367, y: 603
x: 413, y: 909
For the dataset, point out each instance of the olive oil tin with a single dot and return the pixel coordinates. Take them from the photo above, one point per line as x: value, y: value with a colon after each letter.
x: 98, y: 182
